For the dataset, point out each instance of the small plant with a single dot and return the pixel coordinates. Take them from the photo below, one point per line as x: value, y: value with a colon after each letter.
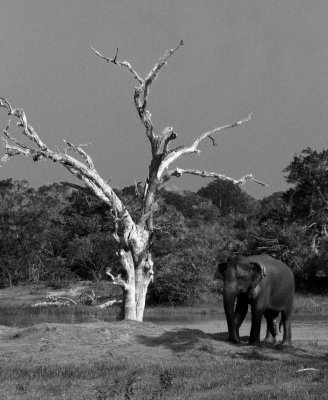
x: 22, y: 386
x: 166, y: 379
x: 116, y: 387
x: 320, y: 376
x: 130, y: 385
x: 165, y: 382
x: 108, y: 390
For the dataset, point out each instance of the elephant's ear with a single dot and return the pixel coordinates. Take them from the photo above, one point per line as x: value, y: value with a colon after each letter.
x: 220, y: 270
x: 258, y: 273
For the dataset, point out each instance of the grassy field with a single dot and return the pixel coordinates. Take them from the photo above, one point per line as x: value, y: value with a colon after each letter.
x: 129, y: 360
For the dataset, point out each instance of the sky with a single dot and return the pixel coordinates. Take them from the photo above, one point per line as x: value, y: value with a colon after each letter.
x: 268, y: 58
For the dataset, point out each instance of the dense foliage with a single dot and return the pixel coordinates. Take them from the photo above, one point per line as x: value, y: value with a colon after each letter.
x: 61, y: 232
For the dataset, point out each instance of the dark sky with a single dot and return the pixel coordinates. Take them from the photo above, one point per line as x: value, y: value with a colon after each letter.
x: 269, y: 58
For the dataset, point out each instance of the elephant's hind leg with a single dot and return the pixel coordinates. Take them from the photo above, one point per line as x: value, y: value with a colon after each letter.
x: 286, y: 318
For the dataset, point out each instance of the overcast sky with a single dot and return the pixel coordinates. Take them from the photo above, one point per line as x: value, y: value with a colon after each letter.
x: 269, y: 58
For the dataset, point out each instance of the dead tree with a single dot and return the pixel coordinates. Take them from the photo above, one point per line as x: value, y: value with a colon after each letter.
x: 133, y: 237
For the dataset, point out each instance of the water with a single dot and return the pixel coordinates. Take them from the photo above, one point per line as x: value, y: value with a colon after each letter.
x: 192, y: 318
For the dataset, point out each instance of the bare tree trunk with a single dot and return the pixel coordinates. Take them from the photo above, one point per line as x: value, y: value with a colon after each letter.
x: 142, y: 283
x: 135, y: 291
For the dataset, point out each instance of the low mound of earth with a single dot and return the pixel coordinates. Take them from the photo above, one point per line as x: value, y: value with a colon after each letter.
x: 144, y: 343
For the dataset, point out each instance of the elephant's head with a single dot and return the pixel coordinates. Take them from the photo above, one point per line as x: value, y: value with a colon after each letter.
x: 240, y: 276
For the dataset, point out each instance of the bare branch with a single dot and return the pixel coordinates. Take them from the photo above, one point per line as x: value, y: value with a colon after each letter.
x: 163, y: 61
x: 117, y: 280
x: 213, y: 140
x: 142, y: 92
x: 12, y: 151
x: 86, y: 172
x: 79, y: 149
x: 217, y: 130
x: 115, y: 234
x: 108, y: 303
x: 144, y: 217
x: 22, y: 122
x: 178, y: 172
x: 154, y: 72
x: 175, y: 154
x: 307, y: 369
x: 124, y: 64
x: 56, y: 298
x: 166, y: 137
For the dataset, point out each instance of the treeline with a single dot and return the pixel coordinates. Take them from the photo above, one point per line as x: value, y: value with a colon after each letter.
x: 60, y: 232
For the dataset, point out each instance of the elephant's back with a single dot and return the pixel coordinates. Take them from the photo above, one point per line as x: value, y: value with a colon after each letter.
x: 276, y: 269
x: 278, y: 281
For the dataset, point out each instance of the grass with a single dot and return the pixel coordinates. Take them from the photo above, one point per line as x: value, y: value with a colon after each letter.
x: 192, y: 377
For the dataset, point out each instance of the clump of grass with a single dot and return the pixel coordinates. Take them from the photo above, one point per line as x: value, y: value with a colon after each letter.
x: 108, y: 390
x: 166, y: 379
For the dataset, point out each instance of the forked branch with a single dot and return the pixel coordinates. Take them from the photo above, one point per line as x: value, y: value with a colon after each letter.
x: 182, y: 150
x: 117, y: 280
x: 38, y: 150
x: 141, y: 93
x: 83, y: 153
x: 124, y: 64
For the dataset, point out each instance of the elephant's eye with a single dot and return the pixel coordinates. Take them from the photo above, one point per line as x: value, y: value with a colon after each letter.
x: 242, y: 278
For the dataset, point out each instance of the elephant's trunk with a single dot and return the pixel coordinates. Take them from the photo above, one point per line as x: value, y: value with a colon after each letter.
x: 229, y: 299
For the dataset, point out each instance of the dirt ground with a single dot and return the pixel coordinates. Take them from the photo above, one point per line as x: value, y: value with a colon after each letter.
x: 46, y: 344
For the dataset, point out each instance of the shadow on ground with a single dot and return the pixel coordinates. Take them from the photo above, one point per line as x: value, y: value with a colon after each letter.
x: 182, y: 340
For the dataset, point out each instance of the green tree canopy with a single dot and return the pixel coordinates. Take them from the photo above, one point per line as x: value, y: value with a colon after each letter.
x: 308, y: 171
x: 228, y: 197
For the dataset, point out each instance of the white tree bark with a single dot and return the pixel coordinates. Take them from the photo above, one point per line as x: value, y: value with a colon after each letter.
x: 135, y: 241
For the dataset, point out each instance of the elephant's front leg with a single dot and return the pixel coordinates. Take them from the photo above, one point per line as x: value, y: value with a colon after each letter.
x: 240, y: 311
x: 272, y: 331
x: 257, y: 314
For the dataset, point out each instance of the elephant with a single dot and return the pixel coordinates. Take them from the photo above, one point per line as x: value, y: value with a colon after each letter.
x: 267, y: 285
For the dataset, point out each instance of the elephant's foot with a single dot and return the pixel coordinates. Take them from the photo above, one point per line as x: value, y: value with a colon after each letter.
x: 254, y: 339
x: 270, y: 340
x: 234, y: 341
x: 254, y: 342
x: 237, y: 342
x: 285, y: 343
